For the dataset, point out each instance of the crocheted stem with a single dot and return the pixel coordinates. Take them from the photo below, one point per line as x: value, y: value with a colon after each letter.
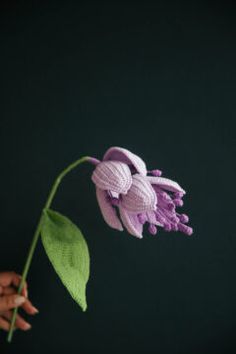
x: 37, y: 234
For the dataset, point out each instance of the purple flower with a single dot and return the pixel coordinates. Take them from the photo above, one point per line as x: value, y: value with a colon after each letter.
x: 130, y: 196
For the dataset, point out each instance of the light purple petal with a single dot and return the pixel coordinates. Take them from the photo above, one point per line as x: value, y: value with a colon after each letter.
x: 165, y: 183
x: 107, y: 210
x: 131, y: 223
x: 140, y: 197
x: 120, y: 154
x: 112, y: 175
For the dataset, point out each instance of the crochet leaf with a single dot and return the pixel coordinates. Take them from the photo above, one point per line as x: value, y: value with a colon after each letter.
x: 67, y: 250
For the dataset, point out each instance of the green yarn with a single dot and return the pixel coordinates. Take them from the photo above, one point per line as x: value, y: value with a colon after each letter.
x: 67, y: 250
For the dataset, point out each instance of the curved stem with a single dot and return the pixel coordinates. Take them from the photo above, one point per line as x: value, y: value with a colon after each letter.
x: 37, y: 233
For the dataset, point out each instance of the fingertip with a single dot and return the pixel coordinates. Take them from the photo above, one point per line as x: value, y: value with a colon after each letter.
x: 25, y: 292
x: 26, y: 326
x: 35, y: 310
x: 19, y: 300
x: 29, y: 308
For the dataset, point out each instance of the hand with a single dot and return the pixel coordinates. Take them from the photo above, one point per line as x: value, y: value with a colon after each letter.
x: 9, y: 299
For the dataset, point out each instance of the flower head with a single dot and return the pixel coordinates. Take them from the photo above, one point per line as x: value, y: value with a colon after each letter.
x: 130, y: 196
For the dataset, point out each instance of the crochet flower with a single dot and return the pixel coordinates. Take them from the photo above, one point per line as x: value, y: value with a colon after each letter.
x: 130, y: 196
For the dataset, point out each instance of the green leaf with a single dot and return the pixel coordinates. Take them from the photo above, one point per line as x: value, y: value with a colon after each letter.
x: 68, y: 252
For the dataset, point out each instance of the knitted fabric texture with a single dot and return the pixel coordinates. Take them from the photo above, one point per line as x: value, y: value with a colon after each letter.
x: 68, y: 252
x: 130, y: 196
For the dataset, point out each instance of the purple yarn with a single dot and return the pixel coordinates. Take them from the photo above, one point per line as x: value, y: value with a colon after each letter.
x: 152, y: 229
x: 166, y: 213
x: 184, y: 218
x: 178, y: 202
x: 122, y: 181
x: 156, y: 173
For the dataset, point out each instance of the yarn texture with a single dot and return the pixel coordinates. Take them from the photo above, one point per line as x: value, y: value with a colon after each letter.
x: 132, y: 196
x: 128, y: 196
x: 67, y: 250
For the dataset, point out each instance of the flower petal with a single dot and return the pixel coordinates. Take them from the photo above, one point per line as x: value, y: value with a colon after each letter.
x: 140, y: 197
x: 112, y: 175
x: 151, y: 218
x: 120, y: 154
x: 107, y: 210
x: 166, y: 183
x: 131, y: 222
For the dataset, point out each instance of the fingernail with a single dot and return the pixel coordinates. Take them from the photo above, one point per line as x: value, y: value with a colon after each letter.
x: 27, y: 326
x: 35, y: 310
x: 19, y: 300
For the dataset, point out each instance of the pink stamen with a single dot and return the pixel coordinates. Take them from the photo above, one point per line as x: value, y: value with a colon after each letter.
x: 186, y: 229
x: 178, y: 194
x: 156, y: 173
x: 184, y: 218
x: 174, y: 226
x: 178, y: 202
x: 152, y: 229
x: 167, y: 227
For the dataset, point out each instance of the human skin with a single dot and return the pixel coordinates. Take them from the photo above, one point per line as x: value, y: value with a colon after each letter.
x: 9, y: 299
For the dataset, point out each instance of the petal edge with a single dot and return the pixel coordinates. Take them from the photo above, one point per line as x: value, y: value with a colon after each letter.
x: 166, y: 183
x: 131, y: 223
x: 120, y: 154
x: 107, y: 210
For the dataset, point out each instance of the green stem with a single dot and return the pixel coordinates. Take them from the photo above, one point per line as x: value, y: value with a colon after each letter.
x: 37, y: 234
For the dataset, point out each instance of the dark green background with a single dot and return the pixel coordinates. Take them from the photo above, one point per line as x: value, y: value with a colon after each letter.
x: 159, y: 79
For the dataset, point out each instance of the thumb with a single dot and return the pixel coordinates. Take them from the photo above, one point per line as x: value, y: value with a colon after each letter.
x: 8, y: 302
